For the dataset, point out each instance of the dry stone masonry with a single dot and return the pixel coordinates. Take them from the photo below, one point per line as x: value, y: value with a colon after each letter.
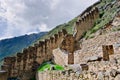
x: 31, y: 58
x: 107, y: 50
x: 60, y: 47
x: 85, y: 22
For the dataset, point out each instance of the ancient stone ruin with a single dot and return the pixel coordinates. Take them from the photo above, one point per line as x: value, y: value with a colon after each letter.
x: 24, y: 65
x: 85, y: 23
x: 107, y: 50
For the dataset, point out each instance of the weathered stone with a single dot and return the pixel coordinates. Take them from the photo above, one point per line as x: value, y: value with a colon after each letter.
x: 85, y: 22
x: 71, y: 58
x: 76, y: 68
x: 78, y: 73
x: 118, y: 71
x: 114, y: 61
x: 113, y: 73
x: 68, y: 40
x: 94, y: 58
x: 118, y: 60
x: 84, y: 67
x: 81, y: 76
x: 3, y: 75
x: 60, y: 57
x: 117, y: 77
x: 100, y: 76
x: 63, y: 72
x: 107, y: 73
x: 110, y: 49
x: 92, y: 73
x: 105, y: 53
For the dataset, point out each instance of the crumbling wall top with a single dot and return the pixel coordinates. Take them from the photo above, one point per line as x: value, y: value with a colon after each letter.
x: 36, y: 45
x: 41, y: 43
x: 64, y: 31
x: 25, y: 50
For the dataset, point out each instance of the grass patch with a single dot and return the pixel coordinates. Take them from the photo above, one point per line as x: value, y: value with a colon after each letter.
x: 45, y: 67
x: 106, y: 16
x: 58, y: 67
x: 48, y: 66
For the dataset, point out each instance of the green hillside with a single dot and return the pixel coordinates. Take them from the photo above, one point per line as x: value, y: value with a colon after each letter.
x: 11, y: 46
x: 107, y: 9
x: 67, y: 26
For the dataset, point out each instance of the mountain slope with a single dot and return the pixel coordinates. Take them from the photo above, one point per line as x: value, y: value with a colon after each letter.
x: 11, y: 46
x: 107, y: 10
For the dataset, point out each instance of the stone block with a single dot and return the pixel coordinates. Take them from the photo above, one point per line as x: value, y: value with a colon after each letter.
x: 94, y: 58
x: 84, y: 67
x: 68, y: 43
x: 70, y: 58
x: 36, y: 45
x: 107, y: 50
x: 110, y: 49
x: 64, y: 31
x: 59, y: 34
x: 3, y: 75
x: 105, y: 53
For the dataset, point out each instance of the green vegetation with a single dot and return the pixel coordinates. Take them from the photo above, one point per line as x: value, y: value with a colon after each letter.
x: 9, y: 47
x: 67, y: 26
x: 107, y: 12
x: 50, y: 66
x: 44, y: 67
x: 106, y: 15
x: 58, y: 67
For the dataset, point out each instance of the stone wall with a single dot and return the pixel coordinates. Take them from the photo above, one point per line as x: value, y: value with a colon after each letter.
x: 60, y: 56
x: 85, y: 22
x: 59, y: 75
x: 3, y: 76
x: 66, y: 43
x: 64, y: 55
x: 69, y: 75
x: 31, y: 58
x: 26, y: 62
